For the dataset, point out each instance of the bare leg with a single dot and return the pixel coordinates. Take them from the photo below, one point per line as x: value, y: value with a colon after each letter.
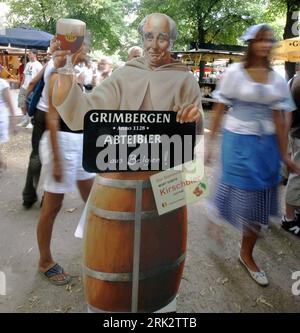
x: 248, y: 242
x: 84, y: 187
x: 24, y: 111
x: 290, y: 211
x: 2, y: 162
x: 51, y: 205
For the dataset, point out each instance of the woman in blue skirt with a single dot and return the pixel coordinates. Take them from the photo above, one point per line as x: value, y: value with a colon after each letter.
x: 252, y: 97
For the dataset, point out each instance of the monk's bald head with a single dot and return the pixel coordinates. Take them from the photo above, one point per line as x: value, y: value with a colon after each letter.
x: 159, y: 22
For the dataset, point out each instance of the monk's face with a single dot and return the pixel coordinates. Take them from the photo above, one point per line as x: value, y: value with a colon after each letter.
x: 157, y: 41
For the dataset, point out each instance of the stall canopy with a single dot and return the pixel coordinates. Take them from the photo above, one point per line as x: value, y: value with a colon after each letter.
x: 25, y: 37
x: 210, y: 52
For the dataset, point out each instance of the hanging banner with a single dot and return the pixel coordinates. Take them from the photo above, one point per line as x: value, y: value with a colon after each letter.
x: 119, y: 141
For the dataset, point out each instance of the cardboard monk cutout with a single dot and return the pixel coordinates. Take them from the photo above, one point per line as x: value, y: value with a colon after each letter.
x: 133, y: 258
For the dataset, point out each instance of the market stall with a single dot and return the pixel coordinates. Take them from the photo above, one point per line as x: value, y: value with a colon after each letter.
x: 208, y: 62
x: 14, y: 43
x: 10, y: 62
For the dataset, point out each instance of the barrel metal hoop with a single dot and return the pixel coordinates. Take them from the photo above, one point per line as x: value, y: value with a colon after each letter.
x: 127, y: 277
x: 122, y: 216
x: 120, y: 183
x: 110, y: 277
x: 92, y: 309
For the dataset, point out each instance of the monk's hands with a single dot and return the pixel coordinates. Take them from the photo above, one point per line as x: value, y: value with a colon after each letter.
x: 60, y: 56
x: 54, y: 45
x: 187, y: 114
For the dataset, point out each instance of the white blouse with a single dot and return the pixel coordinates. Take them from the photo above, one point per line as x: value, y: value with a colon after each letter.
x: 251, y: 103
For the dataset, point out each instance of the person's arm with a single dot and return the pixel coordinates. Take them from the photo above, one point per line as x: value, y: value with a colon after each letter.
x: 7, y: 98
x: 52, y: 123
x: 64, y: 82
x: 281, y: 126
x: 288, y: 118
x: 81, y: 78
x: 218, y: 112
x: 23, y: 77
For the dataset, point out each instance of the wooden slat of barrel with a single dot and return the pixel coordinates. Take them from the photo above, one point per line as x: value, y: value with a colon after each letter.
x: 109, y: 248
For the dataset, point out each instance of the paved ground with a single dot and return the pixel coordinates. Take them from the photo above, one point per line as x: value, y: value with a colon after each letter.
x: 213, y: 279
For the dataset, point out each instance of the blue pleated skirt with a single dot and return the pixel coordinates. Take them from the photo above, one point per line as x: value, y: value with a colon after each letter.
x: 247, y: 191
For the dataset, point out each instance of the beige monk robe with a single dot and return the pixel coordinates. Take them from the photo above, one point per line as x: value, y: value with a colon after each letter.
x: 133, y: 87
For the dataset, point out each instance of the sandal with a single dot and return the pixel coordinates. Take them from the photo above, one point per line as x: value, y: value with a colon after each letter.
x: 259, y: 277
x: 54, y: 271
x: 291, y: 226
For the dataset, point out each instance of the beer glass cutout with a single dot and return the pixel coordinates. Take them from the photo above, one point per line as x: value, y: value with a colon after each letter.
x: 70, y: 33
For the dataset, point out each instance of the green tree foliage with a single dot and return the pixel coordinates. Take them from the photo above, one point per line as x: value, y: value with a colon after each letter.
x: 210, y: 21
x: 104, y: 18
x: 291, y: 9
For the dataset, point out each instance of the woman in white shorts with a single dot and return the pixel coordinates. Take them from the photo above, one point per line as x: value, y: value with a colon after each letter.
x: 5, y: 103
x: 61, y: 156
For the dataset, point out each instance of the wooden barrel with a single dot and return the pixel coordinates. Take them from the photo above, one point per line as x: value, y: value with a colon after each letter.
x: 109, y: 248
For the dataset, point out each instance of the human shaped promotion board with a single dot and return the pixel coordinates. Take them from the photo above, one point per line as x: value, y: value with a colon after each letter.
x: 133, y: 258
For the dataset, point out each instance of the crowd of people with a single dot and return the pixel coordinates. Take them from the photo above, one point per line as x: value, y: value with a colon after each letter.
x: 257, y: 107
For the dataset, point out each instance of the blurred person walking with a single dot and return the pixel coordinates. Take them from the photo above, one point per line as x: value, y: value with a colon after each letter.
x: 253, y: 97
x: 23, y: 62
x: 61, y: 155
x: 291, y: 219
x: 32, y: 68
x: 5, y: 103
x: 29, y: 193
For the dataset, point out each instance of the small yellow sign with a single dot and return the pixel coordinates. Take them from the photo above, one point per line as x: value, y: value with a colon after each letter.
x: 71, y: 38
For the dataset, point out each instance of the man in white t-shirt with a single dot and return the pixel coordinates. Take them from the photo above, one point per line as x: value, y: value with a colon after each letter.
x: 39, y: 125
x: 32, y: 68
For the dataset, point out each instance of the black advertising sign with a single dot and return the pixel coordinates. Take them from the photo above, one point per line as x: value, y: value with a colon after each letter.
x: 116, y: 141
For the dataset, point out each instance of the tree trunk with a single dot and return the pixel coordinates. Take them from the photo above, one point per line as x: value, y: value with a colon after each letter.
x: 292, y: 6
x: 200, y: 32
